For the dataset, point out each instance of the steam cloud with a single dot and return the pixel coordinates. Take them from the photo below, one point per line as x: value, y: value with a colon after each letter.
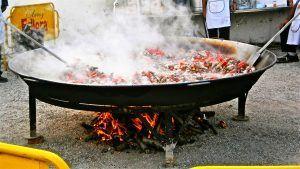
x: 93, y: 35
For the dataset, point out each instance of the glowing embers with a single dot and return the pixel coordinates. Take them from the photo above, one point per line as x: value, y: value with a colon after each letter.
x: 152, y: 121
x: 105, y: 128
x: 108, y: 128
x: 146, y: 132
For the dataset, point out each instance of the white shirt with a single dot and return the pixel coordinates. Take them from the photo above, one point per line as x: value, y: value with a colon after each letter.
x: 294, y: 32
x: 2, y: 33
x: 217, y: 14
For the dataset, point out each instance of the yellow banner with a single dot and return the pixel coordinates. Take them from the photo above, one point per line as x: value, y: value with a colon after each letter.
x: 38, y: 16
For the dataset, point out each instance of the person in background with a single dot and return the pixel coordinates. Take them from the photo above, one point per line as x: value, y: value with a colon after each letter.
x: 4, y: 5
x: 290, y: 37
x: 217, y: 16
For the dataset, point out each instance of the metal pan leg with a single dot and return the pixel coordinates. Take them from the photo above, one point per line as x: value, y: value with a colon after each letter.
x: 33, y: 136
x: 241, y: 108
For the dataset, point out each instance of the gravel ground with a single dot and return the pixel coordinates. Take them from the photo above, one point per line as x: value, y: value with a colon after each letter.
x: 271, y: 136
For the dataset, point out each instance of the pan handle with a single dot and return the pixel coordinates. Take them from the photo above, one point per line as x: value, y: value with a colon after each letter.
x: 198, y: 83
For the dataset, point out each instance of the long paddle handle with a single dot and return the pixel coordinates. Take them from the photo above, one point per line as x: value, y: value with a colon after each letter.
x: 253, y: 58
x: 280, y: 31
x: 34, y: 41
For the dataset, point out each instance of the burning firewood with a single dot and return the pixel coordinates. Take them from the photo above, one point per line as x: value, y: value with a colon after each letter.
x: 145, y: 131
x: 153, y: 143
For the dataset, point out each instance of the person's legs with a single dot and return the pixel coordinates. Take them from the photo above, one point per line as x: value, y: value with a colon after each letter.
x: 291, y: 55
x: 283, y: 42
x: 224, y: 33
x: 213, y: 33
x: 219, y: 33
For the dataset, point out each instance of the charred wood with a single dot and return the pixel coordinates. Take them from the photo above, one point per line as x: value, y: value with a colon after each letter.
x: 153, y: 143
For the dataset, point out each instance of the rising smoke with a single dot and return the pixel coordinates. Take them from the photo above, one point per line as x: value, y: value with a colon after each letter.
x: 91, y: 34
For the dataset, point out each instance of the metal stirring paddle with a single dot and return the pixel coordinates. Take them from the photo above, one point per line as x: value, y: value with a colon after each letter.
x: 34, y: 41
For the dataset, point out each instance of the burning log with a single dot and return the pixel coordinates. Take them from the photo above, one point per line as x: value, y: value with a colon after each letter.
x: 204, y: 123
x: 159, y: 124
x: 153, y: 143
x: 145, y: 131
x: 143, y: 146
x: 195, y: 129
x: 88, y: 128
